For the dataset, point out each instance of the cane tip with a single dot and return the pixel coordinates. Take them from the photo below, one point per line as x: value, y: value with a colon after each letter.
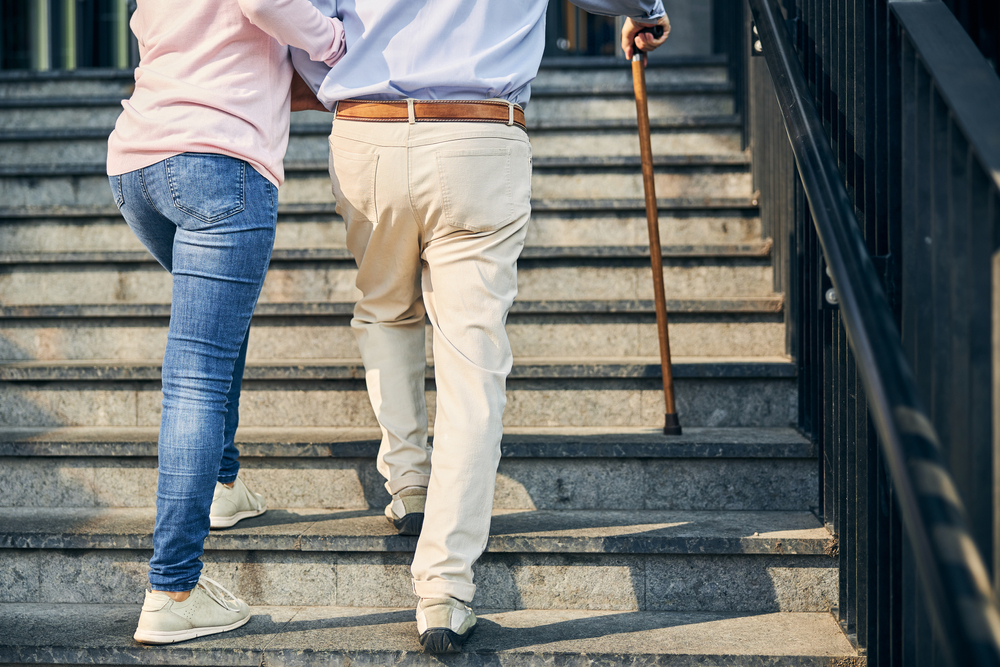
x: 672, y: 425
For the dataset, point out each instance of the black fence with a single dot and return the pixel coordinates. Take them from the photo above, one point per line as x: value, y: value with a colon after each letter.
x: 875, y: 133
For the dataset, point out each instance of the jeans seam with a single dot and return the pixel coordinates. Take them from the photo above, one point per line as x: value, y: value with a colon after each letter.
x: 145, y: 193
x: 119, y: 196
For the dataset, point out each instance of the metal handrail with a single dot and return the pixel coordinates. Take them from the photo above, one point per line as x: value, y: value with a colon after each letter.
x: 961, y: 601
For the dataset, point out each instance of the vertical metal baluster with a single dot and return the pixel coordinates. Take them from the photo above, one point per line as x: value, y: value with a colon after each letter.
x: 979, y: 413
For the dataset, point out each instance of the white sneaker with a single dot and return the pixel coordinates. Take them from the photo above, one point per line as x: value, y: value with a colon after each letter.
x: 406, y: 511
x: 235, y: 504
x: 210, y: 609
x: 444, y: 624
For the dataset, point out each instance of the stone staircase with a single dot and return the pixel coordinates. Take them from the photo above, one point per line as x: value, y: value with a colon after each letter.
x: 610, y: 542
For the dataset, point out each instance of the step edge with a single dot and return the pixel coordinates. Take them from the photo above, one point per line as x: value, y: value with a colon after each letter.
x: 353, y: 370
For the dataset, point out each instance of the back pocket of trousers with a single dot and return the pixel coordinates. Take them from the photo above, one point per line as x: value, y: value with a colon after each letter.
x: 476, y: 188
x: 206, y: 186
x: 352, y: 179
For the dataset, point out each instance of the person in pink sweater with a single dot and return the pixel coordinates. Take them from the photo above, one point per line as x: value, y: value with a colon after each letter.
x: 194, y: 163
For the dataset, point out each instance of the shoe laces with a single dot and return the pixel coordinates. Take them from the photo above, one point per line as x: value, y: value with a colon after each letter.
x: 255, y: 501
x: 218, y: 593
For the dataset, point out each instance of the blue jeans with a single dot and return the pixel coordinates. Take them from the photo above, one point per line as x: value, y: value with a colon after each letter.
x: 209, y: 220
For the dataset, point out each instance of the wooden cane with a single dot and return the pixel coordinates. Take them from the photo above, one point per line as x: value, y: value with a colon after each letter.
x: 672, y: 425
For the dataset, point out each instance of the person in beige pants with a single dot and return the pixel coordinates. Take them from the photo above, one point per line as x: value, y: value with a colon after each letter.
x: 431, y: 167
x: 436, y: 217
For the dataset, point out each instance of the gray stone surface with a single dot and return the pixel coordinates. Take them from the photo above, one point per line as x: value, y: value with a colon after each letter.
x: 705, y: 182
x: 85, y: 83
x: 524, y: 368
x: 49, y: 233
x: 755, y: 583
x: 627, y: 227
x: 301, y: 636
x: 31, y: 117
x: 565, y: 442
x: 522, y: 483
x: 620, y: 77
x: 543, y: 335
x: 334, y: 281
x: 529, y: 532
x: 626, y: 582
x: 622, y: 106
x: 530, y: 403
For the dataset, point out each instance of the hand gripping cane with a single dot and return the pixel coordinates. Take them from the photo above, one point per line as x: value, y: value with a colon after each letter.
x: 672, y: 425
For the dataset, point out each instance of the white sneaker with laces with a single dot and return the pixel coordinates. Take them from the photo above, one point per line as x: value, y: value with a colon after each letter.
x: 444, y: 624
x: 209, y: 609
x: 235, y: 504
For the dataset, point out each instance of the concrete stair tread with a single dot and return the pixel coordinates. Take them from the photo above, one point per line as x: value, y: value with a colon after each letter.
x: 765, y: 304
x: 303, y: 636
x: 317, y: 208
x: 511, y: 531
x: 741, y: 160
x: 541, y: 91
x: 678, y: 122
x: 351, y: 369
x: 616, y: 62
x: 759, y: 249
x: 319, y: 129
x: 523, y: 442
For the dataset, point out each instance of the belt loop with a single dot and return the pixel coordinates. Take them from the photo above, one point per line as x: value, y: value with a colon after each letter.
x: 336, y: 105
x: 510, y: 114
x: 409, y: 111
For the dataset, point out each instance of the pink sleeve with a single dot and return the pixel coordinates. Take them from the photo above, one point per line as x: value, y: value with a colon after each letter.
x: 298, y: 23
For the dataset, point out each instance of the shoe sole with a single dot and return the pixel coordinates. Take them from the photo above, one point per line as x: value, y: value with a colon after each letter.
x: 442, y: 640
x: 154, y: 637
x: 228, y: 521
x: 409, y: 524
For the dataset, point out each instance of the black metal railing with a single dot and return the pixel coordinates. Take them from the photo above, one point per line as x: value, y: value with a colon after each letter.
x: 875, y: 133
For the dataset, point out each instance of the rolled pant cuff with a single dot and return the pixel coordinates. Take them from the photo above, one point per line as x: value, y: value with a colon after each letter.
x: 227, y: 479
x: 174, y: 588
x: 442, y: 588
x: 397, y: 485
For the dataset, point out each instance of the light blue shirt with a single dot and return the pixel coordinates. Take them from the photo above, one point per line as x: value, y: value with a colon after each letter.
x: 443, y: 49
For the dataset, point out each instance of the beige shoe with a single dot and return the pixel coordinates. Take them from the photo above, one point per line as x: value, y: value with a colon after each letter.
x: 406, y: 511
x: 235, y: 504
x: 210, y: 609
x: 444, y: 624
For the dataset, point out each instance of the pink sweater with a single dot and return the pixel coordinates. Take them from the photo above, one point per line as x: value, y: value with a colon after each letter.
x: 213, y: 77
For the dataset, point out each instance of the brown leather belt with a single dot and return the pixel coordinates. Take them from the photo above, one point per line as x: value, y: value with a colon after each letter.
x: 396, y: 111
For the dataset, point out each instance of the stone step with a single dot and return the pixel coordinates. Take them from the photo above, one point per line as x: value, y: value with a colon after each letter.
x: 551, y: 392
x: 582, y: 178
x: 581, y: 103
x: 733, y: 328
x: 46, y: 147
x: 552, y: 72
x: 330, y: 468
x: 625, y: 561
x: 573, y: 223
x: 303, y: 636
x: 16, y: 85
x: 308, y: 276
x: 573, y: 72
x: 552, y: 178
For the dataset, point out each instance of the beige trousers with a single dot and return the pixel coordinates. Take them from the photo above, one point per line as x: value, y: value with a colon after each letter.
x: 436, y: 217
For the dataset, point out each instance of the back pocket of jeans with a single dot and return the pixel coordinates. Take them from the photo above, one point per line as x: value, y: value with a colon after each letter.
x: 476, y: 188
x: 206, y: 186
